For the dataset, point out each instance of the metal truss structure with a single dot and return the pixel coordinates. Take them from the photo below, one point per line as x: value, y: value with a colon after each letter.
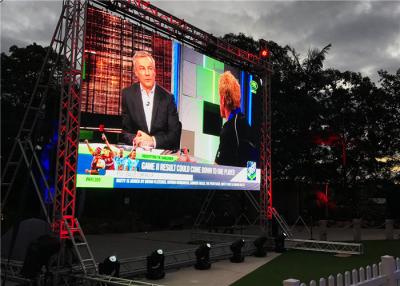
x: 23, y: 152
x: 265, y: 156
x: 282, y: 223
x: 204, y: 215
x: 73, y: 37
x: 325, y: 246
x: 220, y: 237
x: 171, y: 26
x: 109, y: 280
x: 290, y: 243
x: 11, y: 269
x: 68, y: 44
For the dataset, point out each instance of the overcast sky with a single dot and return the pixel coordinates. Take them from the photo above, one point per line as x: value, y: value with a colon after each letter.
x: 365, y: 36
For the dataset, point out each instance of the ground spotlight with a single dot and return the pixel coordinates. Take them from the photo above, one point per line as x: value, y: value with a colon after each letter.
x: 38, y: 255
x: 236, y: 248
x: 203, y: 257
x: 110, y: 266
x: 155, y: 265
x: 260, y: 248
x: 280, y: 242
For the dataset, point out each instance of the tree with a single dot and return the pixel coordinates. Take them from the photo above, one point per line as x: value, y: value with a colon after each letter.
x: 19, y: 73
x: 310, y: 104
x: 20, y: 70
x: 242, y: 41
x: 390, y: 89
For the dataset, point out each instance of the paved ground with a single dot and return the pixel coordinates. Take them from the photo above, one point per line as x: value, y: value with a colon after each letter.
x: 221, y: 273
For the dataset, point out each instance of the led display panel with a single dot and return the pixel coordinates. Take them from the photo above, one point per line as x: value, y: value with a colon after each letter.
x: 107, y: 160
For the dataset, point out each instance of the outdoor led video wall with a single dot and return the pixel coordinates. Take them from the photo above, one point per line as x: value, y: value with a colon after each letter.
x: 191, y: 77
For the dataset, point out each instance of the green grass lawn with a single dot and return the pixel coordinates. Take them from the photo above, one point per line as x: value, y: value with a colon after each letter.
x: 308, y: 265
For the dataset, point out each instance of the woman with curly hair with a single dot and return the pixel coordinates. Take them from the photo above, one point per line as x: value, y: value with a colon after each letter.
x: 235, y: 147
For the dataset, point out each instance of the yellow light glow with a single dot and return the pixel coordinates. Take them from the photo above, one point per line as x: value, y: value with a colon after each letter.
x: 383, y: 159
x: 395, y: 169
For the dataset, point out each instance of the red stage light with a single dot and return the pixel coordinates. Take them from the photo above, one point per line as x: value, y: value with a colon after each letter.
x: 101, y: 127
x: 264, y: 53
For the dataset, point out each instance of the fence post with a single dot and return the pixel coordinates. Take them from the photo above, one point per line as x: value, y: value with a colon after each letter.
x: 357, y: 229
x: 389, y: 228
x: 291, y: 282
x: 388, y: 269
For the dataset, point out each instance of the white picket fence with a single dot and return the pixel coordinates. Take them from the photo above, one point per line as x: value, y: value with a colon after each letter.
x: 386, y: 273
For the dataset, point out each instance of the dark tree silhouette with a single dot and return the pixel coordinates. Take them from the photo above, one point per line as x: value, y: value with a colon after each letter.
x: 311, y: 104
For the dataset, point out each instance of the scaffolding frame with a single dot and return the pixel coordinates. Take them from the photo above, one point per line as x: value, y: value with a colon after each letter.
x: 69, y: 42
x: 69, y: 118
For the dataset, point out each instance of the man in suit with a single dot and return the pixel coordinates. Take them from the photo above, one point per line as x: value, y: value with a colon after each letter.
x: 149, y: 115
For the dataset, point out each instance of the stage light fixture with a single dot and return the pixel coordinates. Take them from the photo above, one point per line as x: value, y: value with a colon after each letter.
x: 236, y: 248
x: 38, y: 255
x: 264, y: 52
x: 110, y: 266
x: 155, y: 265
x: 203, y: 257
x: 280, y: 242
x: 260, y: 248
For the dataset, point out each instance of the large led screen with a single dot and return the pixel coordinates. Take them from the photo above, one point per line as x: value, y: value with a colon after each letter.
x: 105, y: 159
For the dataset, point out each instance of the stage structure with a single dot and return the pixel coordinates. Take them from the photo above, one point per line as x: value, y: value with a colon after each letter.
x: 69, y: 43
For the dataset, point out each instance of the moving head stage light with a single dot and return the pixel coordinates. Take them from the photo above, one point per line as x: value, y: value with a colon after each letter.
x: 203, y: 257
x: 260, y: 248
x: 236, y: 248
x: 280, y: 243
x: 110, y: 266
x: 155, y: 265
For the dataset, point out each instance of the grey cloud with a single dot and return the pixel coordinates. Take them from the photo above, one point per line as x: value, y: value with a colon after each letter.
x: 7, y: 42
x: 360, y: 39
x: 25, y: 22
x: 359, y: 31
x: 378, y: 26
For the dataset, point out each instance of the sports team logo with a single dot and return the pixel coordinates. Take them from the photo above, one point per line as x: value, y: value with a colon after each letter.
x: 251, y: 170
